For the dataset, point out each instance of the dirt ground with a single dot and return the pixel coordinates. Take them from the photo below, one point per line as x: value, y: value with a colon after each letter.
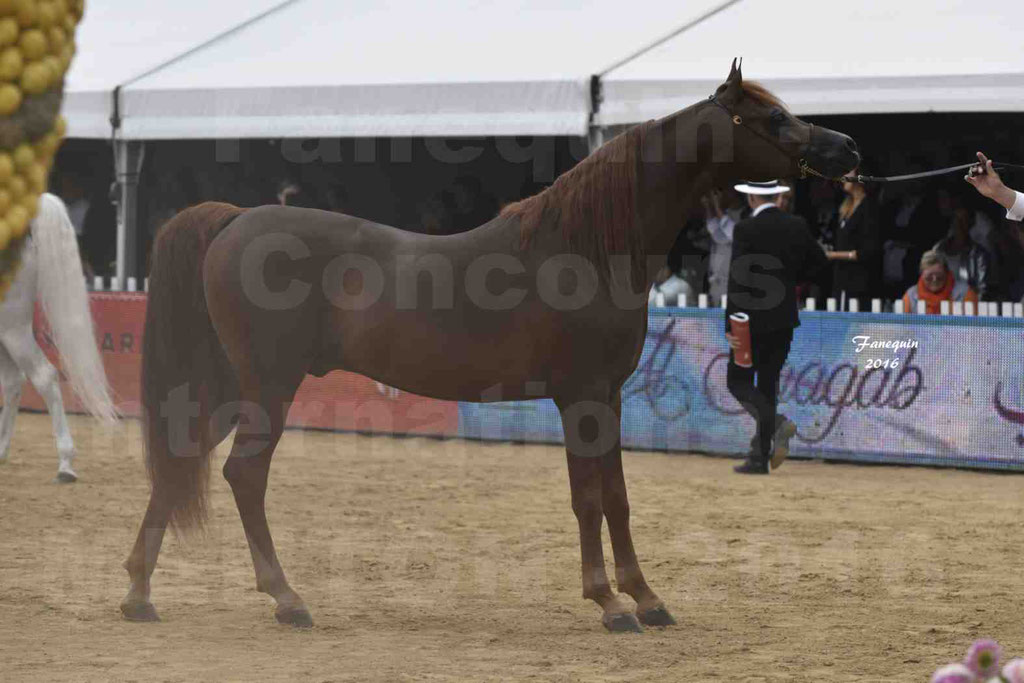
x: 426, y: 560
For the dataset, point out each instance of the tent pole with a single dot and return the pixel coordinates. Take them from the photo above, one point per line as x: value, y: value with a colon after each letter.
x: 595, y: 137
x: 128, y: 156
x: 595, y: 132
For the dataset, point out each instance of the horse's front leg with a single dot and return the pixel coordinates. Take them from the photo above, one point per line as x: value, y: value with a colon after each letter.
x: 650, y: 610
x: 591, y: 433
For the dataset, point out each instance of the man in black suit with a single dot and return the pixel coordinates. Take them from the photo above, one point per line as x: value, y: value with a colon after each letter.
x: 771, y: 252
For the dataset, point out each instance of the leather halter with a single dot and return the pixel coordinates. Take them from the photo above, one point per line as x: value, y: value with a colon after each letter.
x: 802, y: 164
x: 806, y: 168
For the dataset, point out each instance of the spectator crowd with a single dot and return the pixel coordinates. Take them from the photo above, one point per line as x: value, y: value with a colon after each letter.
x: 913, y: 241
x: 925, y: 240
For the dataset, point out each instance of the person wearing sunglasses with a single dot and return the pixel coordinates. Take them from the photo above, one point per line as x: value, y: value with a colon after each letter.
x: 936, y: 284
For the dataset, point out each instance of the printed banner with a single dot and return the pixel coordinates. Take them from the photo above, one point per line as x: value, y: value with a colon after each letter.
x: 935, y: 390
x: 869, y: 387
x: 340, y: 401
x: 118, y: 319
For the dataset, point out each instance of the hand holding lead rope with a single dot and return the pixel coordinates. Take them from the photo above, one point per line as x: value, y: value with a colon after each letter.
x: 986, y: 180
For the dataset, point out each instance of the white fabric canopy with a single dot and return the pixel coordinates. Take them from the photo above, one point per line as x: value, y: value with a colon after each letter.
x: 119, y: 40
x: 870, y: 56
x: 367, y: 68
x: 307, y: 68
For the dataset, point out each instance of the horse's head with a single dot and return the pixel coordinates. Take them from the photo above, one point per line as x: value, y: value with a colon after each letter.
x: 769, y: 142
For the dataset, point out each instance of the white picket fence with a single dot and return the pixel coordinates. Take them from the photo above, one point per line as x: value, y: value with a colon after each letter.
x: 113, y: 284
x: 995, y: 309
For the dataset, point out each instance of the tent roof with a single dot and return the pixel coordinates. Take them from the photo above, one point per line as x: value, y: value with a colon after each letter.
x: 873, y: 56
x: 366, y: 68
x: 306, y: 68
x: 122, y: 39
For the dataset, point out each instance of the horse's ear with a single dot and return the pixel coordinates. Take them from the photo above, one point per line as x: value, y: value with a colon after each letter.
x: 736, y: 72
x: 734, y: 82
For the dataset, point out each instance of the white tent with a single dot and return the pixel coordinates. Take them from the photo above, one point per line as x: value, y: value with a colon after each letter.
x: 367, y: 68
x: 871, y: 56
x: 119, y: 40
x: 273, y: 68
x: 363, y: 68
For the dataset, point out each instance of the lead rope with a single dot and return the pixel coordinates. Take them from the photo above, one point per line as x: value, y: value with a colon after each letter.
x: 926, y: 174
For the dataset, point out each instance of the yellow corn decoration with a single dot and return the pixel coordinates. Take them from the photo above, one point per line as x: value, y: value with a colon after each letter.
x: 37, y: 43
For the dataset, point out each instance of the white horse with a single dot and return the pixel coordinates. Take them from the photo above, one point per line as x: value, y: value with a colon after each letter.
x: 51, y: 270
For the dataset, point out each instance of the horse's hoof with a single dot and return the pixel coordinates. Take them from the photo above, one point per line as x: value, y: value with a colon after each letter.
x: 621, y: 623
x: 139, y: 611
x: 65, y: 478
x: 656, y: 616
x: 298, y: 617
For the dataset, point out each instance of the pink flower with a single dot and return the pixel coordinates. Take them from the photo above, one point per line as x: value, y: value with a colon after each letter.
x: 983, y: 658
x: 954, y: 673
x: 1013, y: 672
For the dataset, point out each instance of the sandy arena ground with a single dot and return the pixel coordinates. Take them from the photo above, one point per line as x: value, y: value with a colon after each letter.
x: 426, y: 560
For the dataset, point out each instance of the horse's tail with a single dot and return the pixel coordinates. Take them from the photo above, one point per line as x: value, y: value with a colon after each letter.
x: 66, y: 305
x: 185, y: 373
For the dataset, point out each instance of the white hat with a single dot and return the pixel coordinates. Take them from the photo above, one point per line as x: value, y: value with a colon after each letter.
x: 770, y: 187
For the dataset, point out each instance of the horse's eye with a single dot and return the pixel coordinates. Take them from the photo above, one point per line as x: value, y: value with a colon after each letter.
x: 777, y: 116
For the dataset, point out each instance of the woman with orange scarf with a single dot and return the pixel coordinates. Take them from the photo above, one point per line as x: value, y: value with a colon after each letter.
x: 936, y: 284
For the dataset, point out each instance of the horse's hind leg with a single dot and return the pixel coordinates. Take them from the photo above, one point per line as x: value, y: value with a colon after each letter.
x: 29, y: 358
x: 246, y: 470
x: 10, y: 382
x: 140, y: 564
x: 142, y: 560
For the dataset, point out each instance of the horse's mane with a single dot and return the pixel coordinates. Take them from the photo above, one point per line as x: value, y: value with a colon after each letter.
x: 593, y: 204
x: 759, y: 93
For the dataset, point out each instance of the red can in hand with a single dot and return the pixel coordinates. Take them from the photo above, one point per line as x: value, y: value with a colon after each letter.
x: 739, y: 324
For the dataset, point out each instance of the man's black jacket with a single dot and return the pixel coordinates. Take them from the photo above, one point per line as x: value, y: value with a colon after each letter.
x: 771, y: 253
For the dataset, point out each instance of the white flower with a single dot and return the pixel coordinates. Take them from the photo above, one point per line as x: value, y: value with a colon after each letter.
x: 1013, y: 672
x: 954, y: 673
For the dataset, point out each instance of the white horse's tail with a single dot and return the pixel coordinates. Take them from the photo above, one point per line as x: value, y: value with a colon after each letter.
x: 65, y: 302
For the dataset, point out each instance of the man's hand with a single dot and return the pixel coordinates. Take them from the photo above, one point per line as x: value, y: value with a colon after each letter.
x: 285, y: 193
x: 841, y: 255
x: 734, y: 341
x: 986, y: 180
x: 716, y: 202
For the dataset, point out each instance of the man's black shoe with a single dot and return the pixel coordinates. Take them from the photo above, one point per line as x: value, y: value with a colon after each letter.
x: 752, y: 466
x: 784, y: 431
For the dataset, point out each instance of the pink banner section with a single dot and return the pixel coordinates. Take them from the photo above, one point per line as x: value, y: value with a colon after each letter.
x: 340, y: 401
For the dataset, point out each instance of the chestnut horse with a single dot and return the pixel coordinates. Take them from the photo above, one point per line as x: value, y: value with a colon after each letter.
x: 547, y: 300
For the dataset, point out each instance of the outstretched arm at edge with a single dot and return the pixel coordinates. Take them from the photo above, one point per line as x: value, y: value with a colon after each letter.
x: 987, y: 182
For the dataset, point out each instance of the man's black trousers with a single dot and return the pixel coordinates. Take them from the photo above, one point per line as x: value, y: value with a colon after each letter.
x: 769, y: 350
